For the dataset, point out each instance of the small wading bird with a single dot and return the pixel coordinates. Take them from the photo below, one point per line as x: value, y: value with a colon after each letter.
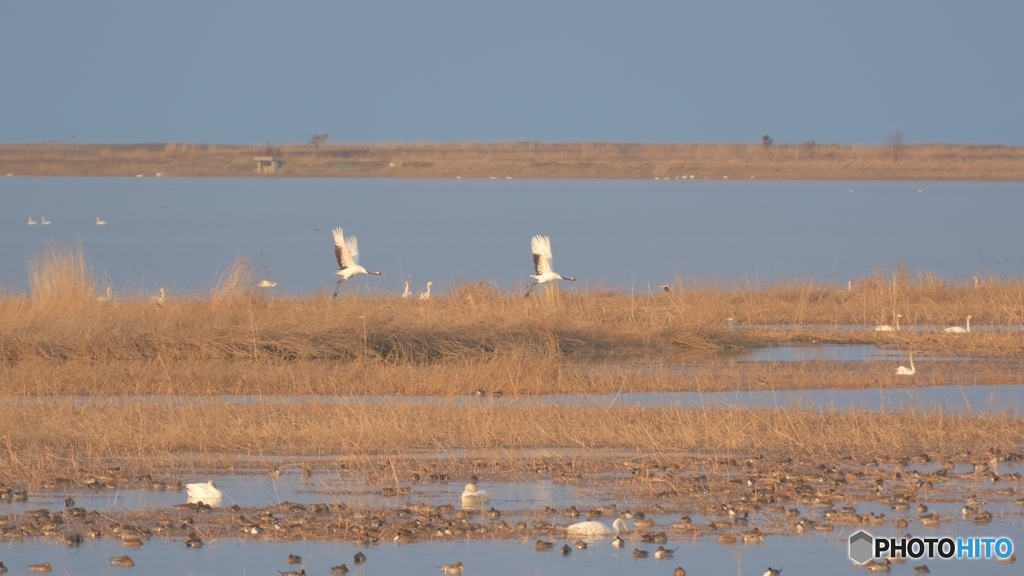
x: 541, y: 246
x: 347, y: 253
x: 100, y: 222
x: 960, y: 329
x: 904, y: 371
x: 887, y: 328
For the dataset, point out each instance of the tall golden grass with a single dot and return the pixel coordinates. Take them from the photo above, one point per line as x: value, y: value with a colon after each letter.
x: 60, y: 275
x: 806, y: 160
x: 238, y: 280
x: 62, y: 340
x: 37, y: 435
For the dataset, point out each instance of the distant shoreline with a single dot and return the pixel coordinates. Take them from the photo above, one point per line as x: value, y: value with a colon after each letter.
x: 526, y: 160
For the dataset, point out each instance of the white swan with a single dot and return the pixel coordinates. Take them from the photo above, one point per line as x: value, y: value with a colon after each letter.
x: 595, y: 528
x: 960, y: 329
x: 109, y: 297
x: 887, y: 328
x: 406, y: 293
x: 473, y: 497
x: 100, y: 222
x: 267, y: 284
x: 205, y: 492
x: 31, y: 222
x: 43, y: 220
x: 904, y: 371
x: 426, y: 296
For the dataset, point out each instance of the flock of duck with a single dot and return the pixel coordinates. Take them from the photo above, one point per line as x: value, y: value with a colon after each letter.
x: 776, y: 494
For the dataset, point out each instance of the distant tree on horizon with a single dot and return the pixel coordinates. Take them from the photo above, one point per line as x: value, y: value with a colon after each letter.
x: 896, y: 145
x: 318, y: 140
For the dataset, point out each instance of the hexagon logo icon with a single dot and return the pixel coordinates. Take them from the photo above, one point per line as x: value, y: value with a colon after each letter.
x: 861, y: 547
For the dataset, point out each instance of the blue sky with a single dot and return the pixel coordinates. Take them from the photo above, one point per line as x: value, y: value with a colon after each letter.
x: 550, y: 71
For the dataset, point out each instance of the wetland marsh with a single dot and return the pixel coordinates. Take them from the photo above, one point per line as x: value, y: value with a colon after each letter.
x: 339, y: 426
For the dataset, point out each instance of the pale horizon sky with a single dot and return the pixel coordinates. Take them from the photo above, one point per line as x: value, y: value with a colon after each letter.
x: 250, y: 72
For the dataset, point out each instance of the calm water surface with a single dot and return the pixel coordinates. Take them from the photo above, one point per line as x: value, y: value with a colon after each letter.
x: 179, y: 232
x: 811, y: 555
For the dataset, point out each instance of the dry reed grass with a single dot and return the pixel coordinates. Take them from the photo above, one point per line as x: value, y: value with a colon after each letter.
x: 36, y: 436
x: 62, y: 340
x: 238, y: 280
x: 60, y: 277
x: 530, y: 160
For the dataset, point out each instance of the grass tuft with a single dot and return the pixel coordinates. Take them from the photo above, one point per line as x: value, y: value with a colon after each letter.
x: 60, y: 275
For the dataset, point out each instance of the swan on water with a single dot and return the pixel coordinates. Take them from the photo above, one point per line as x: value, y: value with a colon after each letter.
x: 904, y: 371
x: 960, y: 329
x: 595, y: 528
x: 473, y: 497
x: 205, y: 492
x: 888, y: 328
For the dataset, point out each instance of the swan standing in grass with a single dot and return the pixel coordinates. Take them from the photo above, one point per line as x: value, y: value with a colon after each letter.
x: 109, y: 297
x: 960, y: 329
x: 205, y: 492
x: 100, y: 222
x: 346, y: 251
x: 473, y: 497
x: 541, y: 246
x: 426, y: 295
x: 159, y: 299
x: 595, y: 528
x: 904, y: 371
x: 406, y: 293
x: 887, y: 328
